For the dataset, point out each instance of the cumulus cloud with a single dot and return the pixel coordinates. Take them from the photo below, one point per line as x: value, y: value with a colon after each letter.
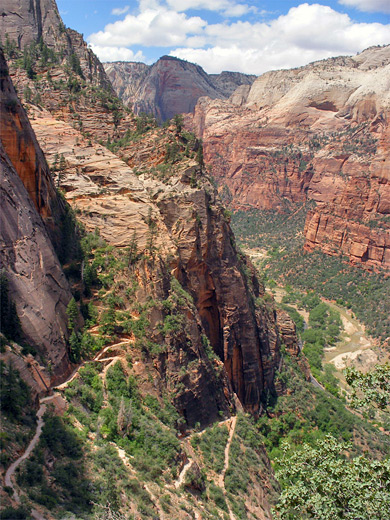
x: 227, y: 7
x: 117, y: 11
x: 369, y: 6
x: 151, y: 28
x: 306, y: 33
x: 107, y: 53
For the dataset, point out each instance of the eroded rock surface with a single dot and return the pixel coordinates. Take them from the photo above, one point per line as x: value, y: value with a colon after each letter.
x: 318, y: 132
x: 192, y: 231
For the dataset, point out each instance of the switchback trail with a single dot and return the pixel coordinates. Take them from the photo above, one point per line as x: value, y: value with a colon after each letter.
x: 221, y: 480
x: 42, y: 409
x: 183, y: 473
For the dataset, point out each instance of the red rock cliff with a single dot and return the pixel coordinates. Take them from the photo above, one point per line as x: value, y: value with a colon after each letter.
x: 37, y: 284
x: 319, y: 132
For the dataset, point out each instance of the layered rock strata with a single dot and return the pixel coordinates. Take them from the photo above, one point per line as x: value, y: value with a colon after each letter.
x: 314, y: 133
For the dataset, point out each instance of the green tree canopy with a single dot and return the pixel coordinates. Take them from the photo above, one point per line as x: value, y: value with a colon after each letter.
x: 321, y: 483
x: 371, y: 388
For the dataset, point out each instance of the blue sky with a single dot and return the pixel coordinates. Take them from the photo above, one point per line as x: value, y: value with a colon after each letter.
x: 248, y: 36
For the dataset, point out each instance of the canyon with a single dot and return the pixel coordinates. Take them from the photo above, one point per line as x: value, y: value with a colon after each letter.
x: 158, y: 363
x: 317, y: 133
x: 190, y: 313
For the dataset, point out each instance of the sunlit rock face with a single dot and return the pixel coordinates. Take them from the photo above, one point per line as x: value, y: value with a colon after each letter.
x: 319, y: 132
x: 170, y: 86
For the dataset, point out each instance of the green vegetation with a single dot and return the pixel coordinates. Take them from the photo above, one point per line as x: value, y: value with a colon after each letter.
x: 69, y: 488
x: 212, y: 446
x: 306, y: 414
x: 126, y: 419
x: 280, y: 236
x: 10, y: 513
x: 355, y: 139
x: 18, y: 418
x: 143, y: 124
x: 365, y: 293
x: 372, y: 388
x: 36, y: 54
x: 269, y: 229
x: 15, y: 393
x: 323, y: 330
x: 248, y: 467
x: 321, y: 483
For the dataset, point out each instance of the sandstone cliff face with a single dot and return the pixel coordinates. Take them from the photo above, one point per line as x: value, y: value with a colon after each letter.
x: 193, y: 236
x: 23, y: 151
x: 25, y: 22
x: 228, y: 81
x: 37, y: 284
x: 317, y: 132
x: 173, y: 87
x: 170, y: 86
x: 126, y: 79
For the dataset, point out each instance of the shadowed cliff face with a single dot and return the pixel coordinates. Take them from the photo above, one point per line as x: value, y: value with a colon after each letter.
x: 37, y: 284
x: 224, y: 289
x: 23, y: 151
x: 318, y: 132
x: 25, y: 22
x: 173, y: 87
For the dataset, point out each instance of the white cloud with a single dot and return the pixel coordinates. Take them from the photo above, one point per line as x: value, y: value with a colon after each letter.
x: 370, y: 6
x: 226, y: 7
x: 117, y: 11
x: 291, y: 40
x: 106, y: 53
x: 306, y: 33
x: 151, y: 28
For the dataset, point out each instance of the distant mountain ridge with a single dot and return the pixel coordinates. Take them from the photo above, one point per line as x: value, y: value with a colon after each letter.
x: 170, y: 86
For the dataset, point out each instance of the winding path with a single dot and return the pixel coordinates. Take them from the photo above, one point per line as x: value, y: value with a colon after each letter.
x: 183, y: 473
x: 8, y: 479
x: 221, y: 479
x: 11, y: 470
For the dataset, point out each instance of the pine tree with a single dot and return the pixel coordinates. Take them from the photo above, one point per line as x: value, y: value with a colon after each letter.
x: 178, y: 121
x: 75, y: 346
x: 133, y: 253
x: 9, y: 320
x: 199, y: 155
x: 73, y: 313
